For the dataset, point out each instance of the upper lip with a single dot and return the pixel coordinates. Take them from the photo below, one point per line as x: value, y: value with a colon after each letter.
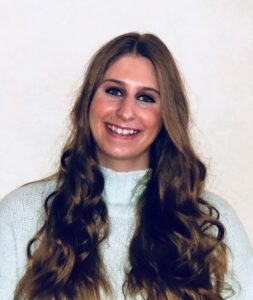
x: 122, y: 127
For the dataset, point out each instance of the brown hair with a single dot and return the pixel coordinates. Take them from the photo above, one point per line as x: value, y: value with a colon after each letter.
x: 177, y: 250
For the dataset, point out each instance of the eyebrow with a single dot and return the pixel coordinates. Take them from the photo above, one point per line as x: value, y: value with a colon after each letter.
x: 123, y: 83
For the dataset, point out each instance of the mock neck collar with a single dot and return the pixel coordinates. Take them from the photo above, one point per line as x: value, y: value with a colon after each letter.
x: 122, y: 188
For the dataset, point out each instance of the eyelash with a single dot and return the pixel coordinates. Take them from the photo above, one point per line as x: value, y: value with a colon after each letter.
x: 118, y: 93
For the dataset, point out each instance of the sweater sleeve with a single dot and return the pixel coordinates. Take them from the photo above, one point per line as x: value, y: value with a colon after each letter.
x: 8, y: 254
x: 240, y: 268
x: 21, y: 215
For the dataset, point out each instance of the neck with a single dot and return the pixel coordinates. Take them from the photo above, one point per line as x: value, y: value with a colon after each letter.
x: 122, y: 190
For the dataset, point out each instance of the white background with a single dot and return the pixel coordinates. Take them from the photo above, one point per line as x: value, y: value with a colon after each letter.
x: 45, y: 46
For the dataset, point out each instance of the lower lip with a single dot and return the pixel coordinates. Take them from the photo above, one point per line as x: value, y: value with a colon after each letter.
x: 121, y: 136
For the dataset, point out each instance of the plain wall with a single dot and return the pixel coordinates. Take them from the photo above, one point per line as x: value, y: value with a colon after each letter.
x: 45, y: 46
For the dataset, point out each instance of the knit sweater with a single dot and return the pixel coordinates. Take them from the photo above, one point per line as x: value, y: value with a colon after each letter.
x: 21, y: 215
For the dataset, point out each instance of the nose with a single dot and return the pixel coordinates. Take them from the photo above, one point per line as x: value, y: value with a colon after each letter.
x: 126, y: 109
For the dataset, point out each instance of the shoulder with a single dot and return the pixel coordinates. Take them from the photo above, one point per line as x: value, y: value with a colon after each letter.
x: 229, y: 218
x: 216, y: 200
x: 235, y: 234
x: 225, y: 209
x: 26, y: 200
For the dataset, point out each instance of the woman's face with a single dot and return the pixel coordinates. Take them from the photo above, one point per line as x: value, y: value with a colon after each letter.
x: 125, y: 114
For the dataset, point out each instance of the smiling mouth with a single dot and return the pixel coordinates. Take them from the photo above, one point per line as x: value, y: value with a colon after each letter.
x: 121, y: 131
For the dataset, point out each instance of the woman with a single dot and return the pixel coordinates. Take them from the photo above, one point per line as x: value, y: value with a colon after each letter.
x: 126, y: 215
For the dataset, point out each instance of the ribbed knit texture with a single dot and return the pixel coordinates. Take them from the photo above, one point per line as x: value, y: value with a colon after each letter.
x: 21, y: 215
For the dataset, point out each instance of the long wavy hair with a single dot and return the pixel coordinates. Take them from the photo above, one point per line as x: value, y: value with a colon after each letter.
x: 177, y: 250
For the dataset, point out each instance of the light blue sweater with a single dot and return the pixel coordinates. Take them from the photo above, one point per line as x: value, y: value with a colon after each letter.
x: 21, y: 214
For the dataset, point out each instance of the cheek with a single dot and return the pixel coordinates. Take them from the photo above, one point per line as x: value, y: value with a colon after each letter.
x: 96, y: 112
x: 99, y: 112
x: 94, y: 117
x: 91, y: 116
x: 153, y: 120
x: 100, y: 107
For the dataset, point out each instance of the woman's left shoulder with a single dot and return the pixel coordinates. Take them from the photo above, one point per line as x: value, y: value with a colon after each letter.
x: 228, y: 216
x: 226, y: 211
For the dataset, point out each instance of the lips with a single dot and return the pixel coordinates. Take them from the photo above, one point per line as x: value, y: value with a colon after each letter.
x: 122, y: 130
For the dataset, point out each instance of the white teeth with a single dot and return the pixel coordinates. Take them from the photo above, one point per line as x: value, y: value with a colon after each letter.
x: 122, y: 131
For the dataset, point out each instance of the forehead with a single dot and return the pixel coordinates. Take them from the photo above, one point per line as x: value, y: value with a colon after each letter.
x: 134, y: 68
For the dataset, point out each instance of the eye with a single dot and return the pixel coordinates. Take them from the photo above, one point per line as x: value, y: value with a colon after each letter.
x: 114, y: 91
x: 146, y: 98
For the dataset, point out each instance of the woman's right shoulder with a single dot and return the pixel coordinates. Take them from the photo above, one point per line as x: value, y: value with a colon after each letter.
x: 26, y: 199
